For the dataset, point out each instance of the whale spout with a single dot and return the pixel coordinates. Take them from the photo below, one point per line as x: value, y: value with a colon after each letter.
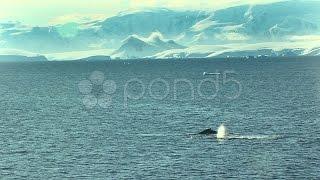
x: 222, y: 132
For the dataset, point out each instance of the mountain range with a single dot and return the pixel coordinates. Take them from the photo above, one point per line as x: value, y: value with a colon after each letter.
x: 281, y: 28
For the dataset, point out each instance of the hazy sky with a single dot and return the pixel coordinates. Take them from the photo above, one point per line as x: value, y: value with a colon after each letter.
x: 44, y: 12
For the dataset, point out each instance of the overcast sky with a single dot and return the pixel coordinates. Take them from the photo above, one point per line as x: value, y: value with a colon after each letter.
x: 38, y: 12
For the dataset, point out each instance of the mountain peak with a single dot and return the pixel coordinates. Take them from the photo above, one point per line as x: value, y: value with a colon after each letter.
x: 155, y: 37
x: 138, y: 47
x: 132, y: 38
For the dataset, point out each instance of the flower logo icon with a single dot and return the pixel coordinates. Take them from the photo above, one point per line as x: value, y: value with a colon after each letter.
x: 97, y: 90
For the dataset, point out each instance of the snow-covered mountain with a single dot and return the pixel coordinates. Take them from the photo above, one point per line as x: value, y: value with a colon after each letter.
x: 97, y: 34
x: 258, y: 23
x: 244, y: 50
x: 312, y: 52
x: 139, y: 47
x: 246, y: 24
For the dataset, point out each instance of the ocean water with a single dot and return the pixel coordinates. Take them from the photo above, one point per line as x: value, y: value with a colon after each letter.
x: 137, y: 119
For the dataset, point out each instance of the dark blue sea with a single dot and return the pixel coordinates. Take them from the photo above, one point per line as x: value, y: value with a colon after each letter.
x: 138, y: 119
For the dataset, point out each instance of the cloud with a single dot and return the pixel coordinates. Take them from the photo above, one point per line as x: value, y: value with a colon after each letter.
x: 232, y: 36
x: 77, y: 18
x: 2, y: 43
x: 37, y: 12
x: 6, y: 51
x: 308, y: 38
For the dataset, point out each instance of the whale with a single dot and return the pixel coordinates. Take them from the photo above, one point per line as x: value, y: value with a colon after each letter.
x: 221, y: 132
x: 208, y: 131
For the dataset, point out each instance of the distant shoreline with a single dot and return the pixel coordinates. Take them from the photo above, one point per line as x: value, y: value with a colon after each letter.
x: 18, y: 58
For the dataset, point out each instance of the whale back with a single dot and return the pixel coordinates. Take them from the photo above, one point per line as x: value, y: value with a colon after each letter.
x: 207, y: 132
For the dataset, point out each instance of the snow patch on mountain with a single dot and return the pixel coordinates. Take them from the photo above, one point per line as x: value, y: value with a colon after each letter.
x: 74, y: 55
x: 312, y: 52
